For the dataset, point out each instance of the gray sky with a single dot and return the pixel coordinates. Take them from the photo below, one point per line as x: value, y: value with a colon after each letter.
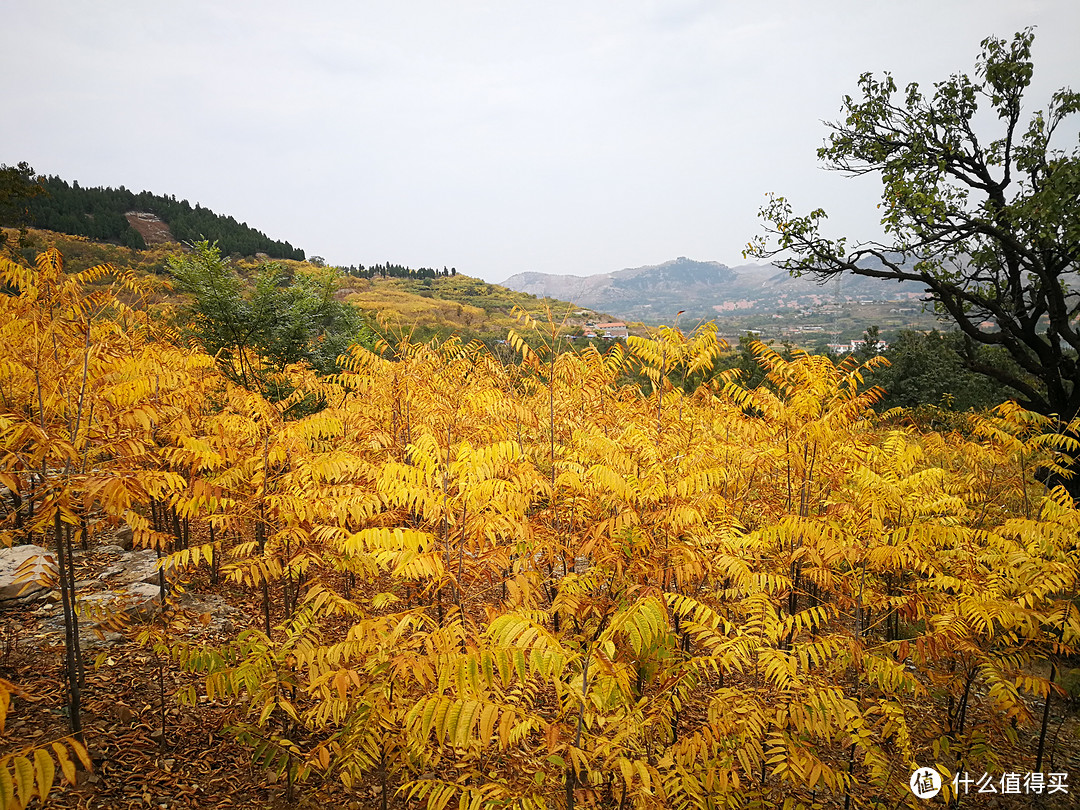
x: 498, y: 137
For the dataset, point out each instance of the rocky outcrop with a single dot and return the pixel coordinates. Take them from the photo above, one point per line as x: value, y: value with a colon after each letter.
x: 150, y: 227
x: 132, y: 567
x: 125, y: 591
x: 20, y: 569
x: 125, y: 537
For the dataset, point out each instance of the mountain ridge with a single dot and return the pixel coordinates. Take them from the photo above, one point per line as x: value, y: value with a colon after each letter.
x: 702, y: 289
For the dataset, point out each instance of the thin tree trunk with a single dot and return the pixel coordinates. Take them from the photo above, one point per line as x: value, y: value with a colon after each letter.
x: 217, y: 553
x: 161, y: 701
x: 1045, y: 719
x: 70, y: 549
x: 1049, y: 692
x: 382, y: 778
x: 71, y: 632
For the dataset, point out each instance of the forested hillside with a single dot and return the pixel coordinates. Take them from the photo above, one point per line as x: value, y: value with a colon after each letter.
x: 419, y: 302
x: 98, y: 213
x: 459, y: 581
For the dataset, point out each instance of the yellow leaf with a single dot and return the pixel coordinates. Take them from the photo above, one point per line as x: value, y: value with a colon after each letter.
x: 80, y: 752
x: 24, y: 778
x: 341, y: 683
x: 66, y: 765
x: 46, y: 771
x: 643, y: 772
x: 487, y: 722
x: 7, y: 789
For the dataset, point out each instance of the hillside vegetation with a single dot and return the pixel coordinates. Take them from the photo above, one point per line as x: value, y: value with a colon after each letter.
x: 447, y: 305
x: 52, y: 203
x: 526, y: 585
x: 440, y: 306
x: 81, y: 253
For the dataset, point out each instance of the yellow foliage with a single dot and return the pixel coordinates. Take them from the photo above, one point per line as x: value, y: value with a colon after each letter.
x: 547, y: 581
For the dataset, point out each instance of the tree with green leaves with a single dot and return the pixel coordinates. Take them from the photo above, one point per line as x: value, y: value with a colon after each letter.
x: 282, y: 318
x: 18, y: 186
x: 984, y: 210
x: 927, y: 369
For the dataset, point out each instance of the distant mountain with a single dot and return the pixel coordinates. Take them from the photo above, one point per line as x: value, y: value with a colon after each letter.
x: 704, y: 290
x: 629, y: 289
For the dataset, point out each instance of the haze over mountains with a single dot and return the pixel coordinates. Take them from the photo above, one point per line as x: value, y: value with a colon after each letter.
x: 704, y: 290
x: 758, y: 298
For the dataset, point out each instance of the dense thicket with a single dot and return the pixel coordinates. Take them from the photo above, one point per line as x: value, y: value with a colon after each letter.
x: 98, y: 213
x: 533, y: 585
x: 929, y: 369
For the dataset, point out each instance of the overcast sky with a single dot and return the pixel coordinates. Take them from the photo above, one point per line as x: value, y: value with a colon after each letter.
x: 496, y: 137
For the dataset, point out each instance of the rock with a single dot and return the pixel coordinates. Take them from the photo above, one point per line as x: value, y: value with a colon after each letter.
x: 136, y: 600
x: 221, y: 612
x: 125, y: 537
x: 122, y: 593
x: 24, y: 563
x: 210, y: 603
x: 132, y: 567
x: 90, y: 637
x: 48, y: 607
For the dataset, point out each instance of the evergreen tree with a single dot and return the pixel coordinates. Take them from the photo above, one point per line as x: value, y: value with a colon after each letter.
x: 17, y: 188
x: 98, y: 213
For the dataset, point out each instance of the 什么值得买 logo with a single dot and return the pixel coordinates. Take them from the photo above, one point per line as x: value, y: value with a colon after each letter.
x: 925, y: 783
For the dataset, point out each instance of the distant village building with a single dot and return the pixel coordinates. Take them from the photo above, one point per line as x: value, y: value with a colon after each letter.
x: 854, y: 346
x: 615, y: 329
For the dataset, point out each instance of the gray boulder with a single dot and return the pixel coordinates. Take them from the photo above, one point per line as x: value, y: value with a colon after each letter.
x: 136, y: 600
x: 99, y: 612
x: 19, y: 566
x: 132, y: 567
x: 125, y: 537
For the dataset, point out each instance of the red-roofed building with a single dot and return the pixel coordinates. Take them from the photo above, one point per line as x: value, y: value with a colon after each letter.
x: 615, y: 329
